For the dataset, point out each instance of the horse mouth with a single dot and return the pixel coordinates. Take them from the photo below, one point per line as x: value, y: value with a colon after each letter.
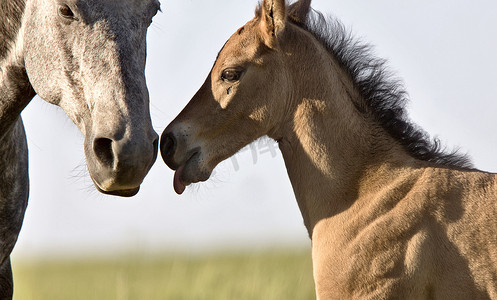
x: 121, y: 193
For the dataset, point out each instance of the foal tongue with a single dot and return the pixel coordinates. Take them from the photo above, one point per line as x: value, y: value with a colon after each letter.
x: 179, y: 187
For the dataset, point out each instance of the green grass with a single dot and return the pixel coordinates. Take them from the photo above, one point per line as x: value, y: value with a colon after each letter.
x: 267, y: 276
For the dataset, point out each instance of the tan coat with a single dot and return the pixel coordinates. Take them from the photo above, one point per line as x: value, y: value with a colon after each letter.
x: 390, y: 215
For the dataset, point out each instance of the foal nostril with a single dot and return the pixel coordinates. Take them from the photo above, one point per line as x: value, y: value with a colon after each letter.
x: 103, y: 150
x: 167, y: 145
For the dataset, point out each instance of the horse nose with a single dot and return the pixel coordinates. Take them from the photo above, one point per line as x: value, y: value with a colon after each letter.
x: 156, y: 147
x: 107, y: 150
x: 103, y: 151
x: 167, y: 145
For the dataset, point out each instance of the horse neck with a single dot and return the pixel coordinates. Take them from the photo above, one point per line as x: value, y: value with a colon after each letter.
x: 10, y: 22
x: 329, y: 147
x: 15, y: 89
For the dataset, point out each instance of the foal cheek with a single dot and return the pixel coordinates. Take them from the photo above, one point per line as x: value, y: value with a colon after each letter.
x: 224, y: 97
x: 259, y: 114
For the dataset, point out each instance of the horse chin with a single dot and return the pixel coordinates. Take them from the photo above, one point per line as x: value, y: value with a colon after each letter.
x: 117, y: 192
x: 121, y: 193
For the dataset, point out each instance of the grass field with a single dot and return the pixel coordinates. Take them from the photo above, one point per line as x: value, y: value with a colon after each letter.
x: 258, y: 276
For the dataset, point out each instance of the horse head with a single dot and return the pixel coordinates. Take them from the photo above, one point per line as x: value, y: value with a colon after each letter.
x: 88, y: 57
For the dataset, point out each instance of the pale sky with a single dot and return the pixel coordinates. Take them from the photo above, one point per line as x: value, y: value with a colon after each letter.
x: 444, y: 51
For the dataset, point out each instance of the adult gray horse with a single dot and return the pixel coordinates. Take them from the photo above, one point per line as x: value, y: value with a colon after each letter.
x: 88, y: 57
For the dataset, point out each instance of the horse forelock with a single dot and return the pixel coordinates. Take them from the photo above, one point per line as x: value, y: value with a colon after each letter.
x: 383, y: 96
x: 11, y: 12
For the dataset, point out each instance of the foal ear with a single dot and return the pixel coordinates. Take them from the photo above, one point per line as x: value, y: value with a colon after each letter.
x: 299, y: 10
x: 273, y: 18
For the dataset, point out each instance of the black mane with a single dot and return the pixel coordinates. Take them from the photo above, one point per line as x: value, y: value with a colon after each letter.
x: 384, y: 97
x: 11, y: 12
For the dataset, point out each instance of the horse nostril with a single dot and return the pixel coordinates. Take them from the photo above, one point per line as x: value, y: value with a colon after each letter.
x: 103, y: 150
x: 156, y: 148
x: 167, y: 145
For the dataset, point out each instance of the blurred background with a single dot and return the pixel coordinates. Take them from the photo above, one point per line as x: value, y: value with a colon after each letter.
x: 444, y: 51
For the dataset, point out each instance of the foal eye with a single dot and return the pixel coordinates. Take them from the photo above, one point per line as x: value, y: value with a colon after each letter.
x: 66, y: 12
x: 231, y: 74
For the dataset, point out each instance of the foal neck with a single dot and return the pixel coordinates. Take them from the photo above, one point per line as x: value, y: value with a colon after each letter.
x: 330, y: 148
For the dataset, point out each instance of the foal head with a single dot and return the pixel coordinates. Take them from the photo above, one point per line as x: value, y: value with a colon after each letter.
x: 88, y: 57
x: 243, y: 98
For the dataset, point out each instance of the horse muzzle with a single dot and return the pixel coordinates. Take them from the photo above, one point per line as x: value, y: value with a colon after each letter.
x: 118, y: 166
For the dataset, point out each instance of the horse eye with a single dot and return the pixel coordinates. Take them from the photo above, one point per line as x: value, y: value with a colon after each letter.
x: 66, y: 12
x: 231, y: 75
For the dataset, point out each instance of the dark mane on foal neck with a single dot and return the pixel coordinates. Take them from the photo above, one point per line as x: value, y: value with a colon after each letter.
x: 383, y: 96
x: 11, y: 12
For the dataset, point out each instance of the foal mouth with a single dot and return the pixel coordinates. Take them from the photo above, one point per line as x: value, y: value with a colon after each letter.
x: 178, y: 184
x: 179, y: 181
